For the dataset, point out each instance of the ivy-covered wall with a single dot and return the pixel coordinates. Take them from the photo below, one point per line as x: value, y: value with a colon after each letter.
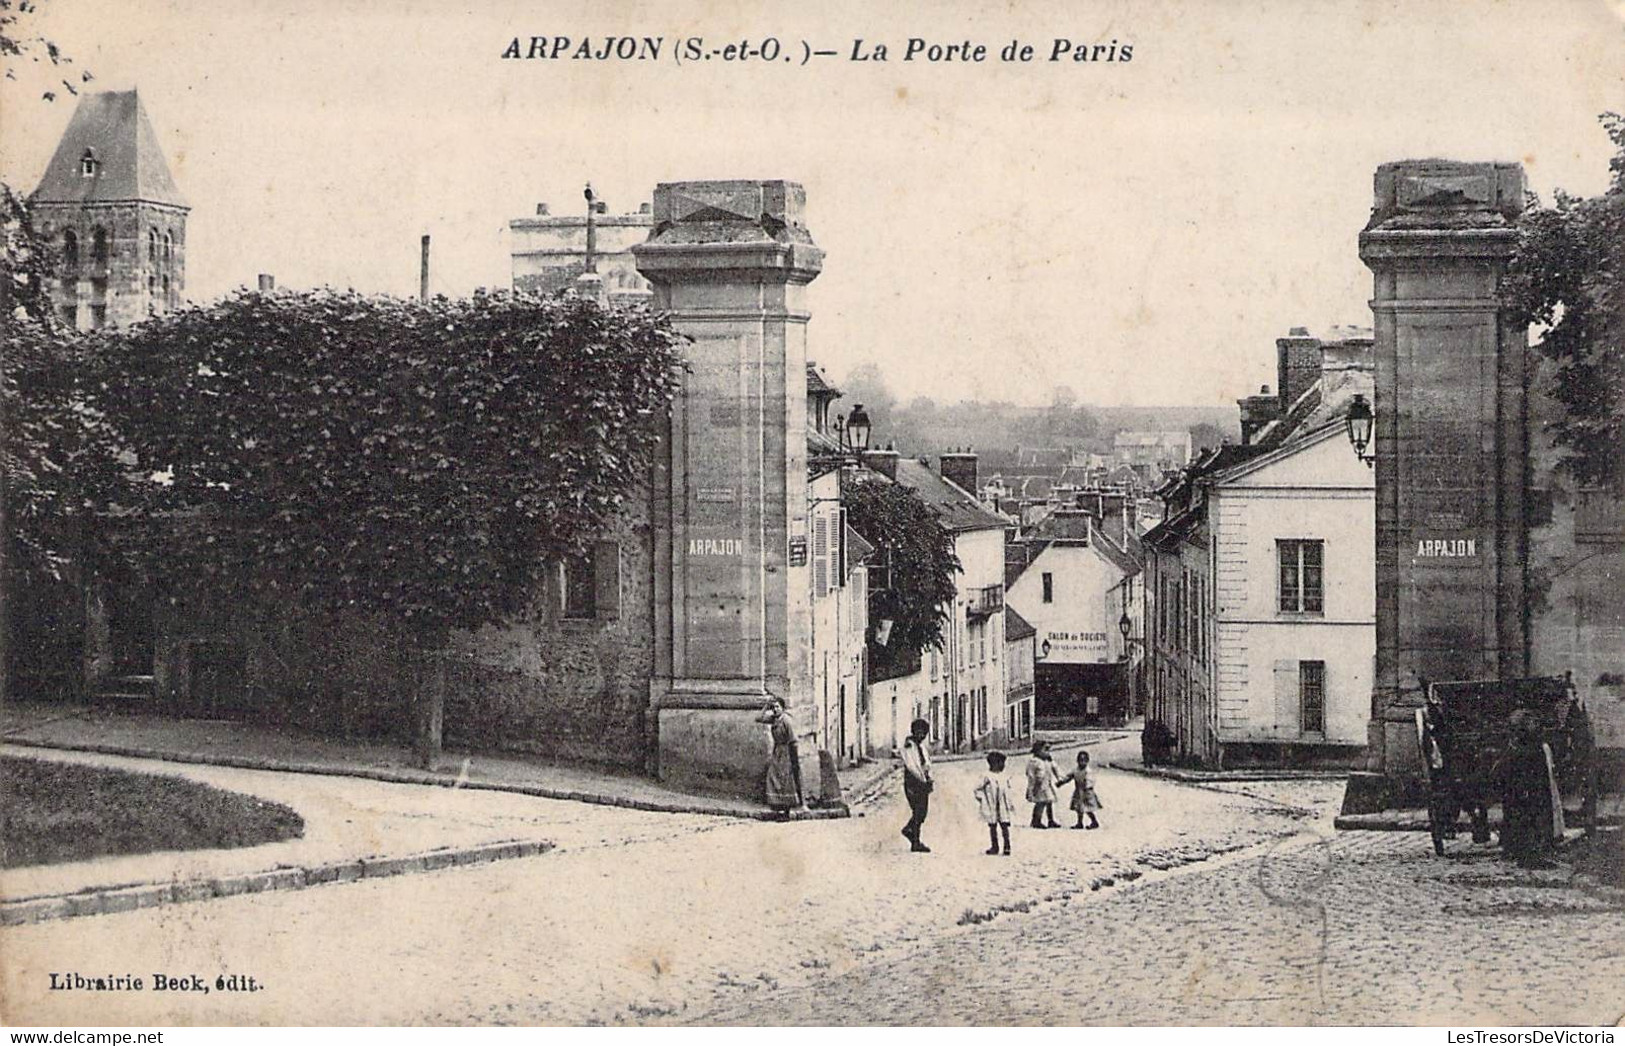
x: 573, y: 687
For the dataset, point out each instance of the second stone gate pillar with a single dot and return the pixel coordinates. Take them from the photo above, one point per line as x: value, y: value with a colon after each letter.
x: 731, y: 260
x: 1451, y: 447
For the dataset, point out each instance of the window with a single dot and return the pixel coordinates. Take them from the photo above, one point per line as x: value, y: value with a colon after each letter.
x: 579, y: 594
x: 70, y: 250
x: 592, y: 583
x: 152, y: 246
x: 1312, y: 696
x: 169, y: 248
x: 1049, y: 588
x: 1302, y: 576
x: 87, y: 164
x: 98, y: 245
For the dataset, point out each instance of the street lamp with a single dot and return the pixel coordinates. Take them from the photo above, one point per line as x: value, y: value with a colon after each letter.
x: 857, y: 429
x: 1125, y: 626
x: 1358, y: 421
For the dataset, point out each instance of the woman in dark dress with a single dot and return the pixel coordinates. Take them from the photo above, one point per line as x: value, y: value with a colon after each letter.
x: 784, y: 765
x: 1527, y: 821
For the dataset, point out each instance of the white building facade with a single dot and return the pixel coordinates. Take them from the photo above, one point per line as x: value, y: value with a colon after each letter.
x: 1262, y: 609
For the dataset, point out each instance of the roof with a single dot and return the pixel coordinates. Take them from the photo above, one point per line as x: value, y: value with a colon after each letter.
x: 817, y: 384
x: 958, y: 509
x: 1151, y: 439
x: 857, y: 549
x: 1120, y: 558
x: 1061, y: 525
x: 1016, y: 626
x: 821, y: 444
x: 1280, y: 430
x: 1176, y: 527
x: 130, y: 165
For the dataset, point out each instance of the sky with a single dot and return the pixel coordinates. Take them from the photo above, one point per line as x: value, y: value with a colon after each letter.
x: 1139, y: 231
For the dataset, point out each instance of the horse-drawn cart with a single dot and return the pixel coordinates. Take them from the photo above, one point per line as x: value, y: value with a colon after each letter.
x: 1518, y: 743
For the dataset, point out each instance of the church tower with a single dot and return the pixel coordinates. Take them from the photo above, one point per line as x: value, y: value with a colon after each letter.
x: 109, y: 206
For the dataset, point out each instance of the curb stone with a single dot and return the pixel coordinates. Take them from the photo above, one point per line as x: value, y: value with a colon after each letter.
x: 152, y: 895
x: 428, y: 777
x: 1211, y: 776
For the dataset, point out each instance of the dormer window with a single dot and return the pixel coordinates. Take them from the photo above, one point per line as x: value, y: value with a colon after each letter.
x: 87, y: 163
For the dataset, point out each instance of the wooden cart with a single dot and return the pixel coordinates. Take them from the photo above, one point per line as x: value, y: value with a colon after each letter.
x: 1464, y: 732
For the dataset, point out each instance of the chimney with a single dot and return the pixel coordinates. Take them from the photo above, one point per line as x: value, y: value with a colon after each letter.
x: 267, y: 283
x: 1256, y: 412
x: 959, y: 468
x: 882, y: 461
x: 541, y: 210
x: 1297, y: 365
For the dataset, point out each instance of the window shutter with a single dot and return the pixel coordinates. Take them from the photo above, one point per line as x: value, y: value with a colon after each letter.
x: 606, y: 568
x: 840, y: 562
x: 820, y: 556
x: 1286, y: 697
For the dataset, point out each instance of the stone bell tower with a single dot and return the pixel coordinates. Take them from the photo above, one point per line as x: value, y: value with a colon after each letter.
x: 731, y: 261
x: 1452, y: 449
x: 109, y: 206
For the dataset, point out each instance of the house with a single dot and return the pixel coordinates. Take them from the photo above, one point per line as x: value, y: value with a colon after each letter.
x: 1066, y: 576
x: 1020, y: 652
x: 549, y: 251
x: 838, y: 556
x: 1259, y: 585
x: 1152, y: 449
x: 960, y: 688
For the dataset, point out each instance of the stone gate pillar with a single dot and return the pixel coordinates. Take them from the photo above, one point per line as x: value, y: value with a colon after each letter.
x: 731, y: 261
x: 1451, y: 448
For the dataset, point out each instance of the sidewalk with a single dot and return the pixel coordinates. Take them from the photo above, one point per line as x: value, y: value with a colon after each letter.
x: 255, y: 747
x: 354, y: 829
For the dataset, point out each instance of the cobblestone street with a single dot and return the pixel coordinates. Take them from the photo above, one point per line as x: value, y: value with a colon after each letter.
x: 1366, y: 928
x: 1212, y: 904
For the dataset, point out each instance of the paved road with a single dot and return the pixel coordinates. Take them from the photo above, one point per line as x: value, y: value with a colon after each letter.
x: 836, y: 922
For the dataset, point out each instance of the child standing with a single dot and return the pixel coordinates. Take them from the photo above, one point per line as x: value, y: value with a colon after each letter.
x: 1084, y: 798
x: 995, y: 802
x: 1042, y: 777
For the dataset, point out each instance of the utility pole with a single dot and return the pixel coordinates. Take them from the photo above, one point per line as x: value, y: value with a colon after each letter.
x: 423, y: 271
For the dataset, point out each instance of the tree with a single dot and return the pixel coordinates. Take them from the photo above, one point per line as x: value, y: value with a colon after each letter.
x: 917, y: 564
x: 58, y: 459
x: 418, y: 461
x: 1567, y: 276
x: 16, y: 44
x: 414, y: 459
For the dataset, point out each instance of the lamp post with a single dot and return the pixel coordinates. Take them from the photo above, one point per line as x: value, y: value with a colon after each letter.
x: 1358, y: 421
x: 853, y: 430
